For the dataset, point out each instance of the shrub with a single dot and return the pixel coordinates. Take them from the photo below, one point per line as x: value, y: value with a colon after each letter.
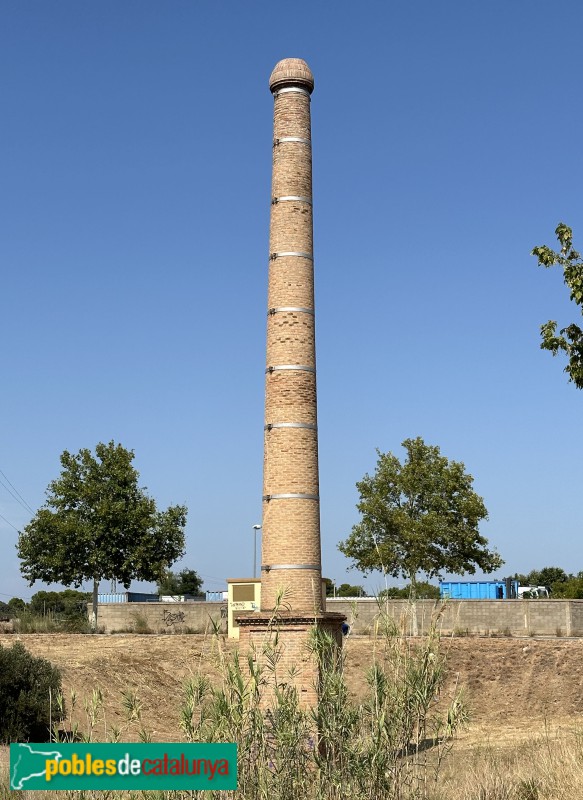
x: 30, y: 622
x: 27, y: 684
x: 27, y: 622
x: 140, y: 623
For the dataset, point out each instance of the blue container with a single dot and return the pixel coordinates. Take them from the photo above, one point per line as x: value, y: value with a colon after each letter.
x: 113, y: 597
x: 142, y: 597
x: 476, y: 590
x: 127, y: 597
x: 213, y: 596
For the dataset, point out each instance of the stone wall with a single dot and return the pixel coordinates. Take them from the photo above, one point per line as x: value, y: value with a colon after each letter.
x: 510, y: 617
x: 515, y: 617
x: 195, y: 617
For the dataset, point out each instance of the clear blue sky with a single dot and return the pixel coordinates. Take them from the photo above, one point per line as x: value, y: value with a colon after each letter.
x: 134, y: 208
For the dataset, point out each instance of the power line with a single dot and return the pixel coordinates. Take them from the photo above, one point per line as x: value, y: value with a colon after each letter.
x: 20, y: 499
x: 14, y: 496
x: 9, y: 523
x: 3, y: 594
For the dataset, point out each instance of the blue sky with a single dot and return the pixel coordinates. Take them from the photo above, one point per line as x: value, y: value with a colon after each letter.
x: 134, y: 207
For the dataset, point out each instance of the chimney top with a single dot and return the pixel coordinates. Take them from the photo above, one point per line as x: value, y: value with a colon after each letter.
x: 291, y: 72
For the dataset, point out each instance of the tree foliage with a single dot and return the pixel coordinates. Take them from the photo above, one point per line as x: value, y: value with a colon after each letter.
x: 26, y: 686
x: 348, y: 590
x: 547, y: 576
x: 571, y: 589
x: 344, y: 590
x: 69, y: 603
x: 561, y: 584
x: 423, y: 591
x: 570, y: 338
x: 7, y: 612
x: 97, y: 523
x: 187, y: 581
x: 419, y: 516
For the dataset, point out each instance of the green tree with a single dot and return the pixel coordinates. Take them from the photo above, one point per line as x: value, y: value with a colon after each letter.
x: 69, y: 604
x: 17, y: 604
x: 521, y: 578
x: 419, y: 516
x: 97, y: 523
x: 187, y: 581
x: 423, y: 591
x: 571, y: 589
x: 346, y: 590
x: 6, y: 611
x: 547, y: 576
x: 570, y: 339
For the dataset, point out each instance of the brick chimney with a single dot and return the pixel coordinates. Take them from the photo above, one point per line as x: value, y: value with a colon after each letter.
x: 291, y: 570
x: 291, y: 558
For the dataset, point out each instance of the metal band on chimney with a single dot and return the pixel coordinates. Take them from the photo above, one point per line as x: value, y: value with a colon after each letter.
x: 269, y: 567
x: 294, y: 309
x: 286, y: 89
x: 294, y: 197
x: 310, y: 426
x: 299, y: 367
x: 297, y: 253
x: 298, y: 139
x: 291, y: 496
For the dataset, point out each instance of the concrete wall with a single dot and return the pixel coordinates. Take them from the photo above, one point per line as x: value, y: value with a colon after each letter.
x: 160, y: 617
x: 576, y: 615
x: 516, y: 617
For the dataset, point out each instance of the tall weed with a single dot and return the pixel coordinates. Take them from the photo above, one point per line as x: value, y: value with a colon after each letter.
x: 390, y: 746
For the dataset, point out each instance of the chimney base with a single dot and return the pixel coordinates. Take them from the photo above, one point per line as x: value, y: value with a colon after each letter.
x: 285, y: 639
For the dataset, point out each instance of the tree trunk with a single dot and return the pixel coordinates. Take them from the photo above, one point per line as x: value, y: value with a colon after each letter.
x: 413, y: 602
x: 94, y: 606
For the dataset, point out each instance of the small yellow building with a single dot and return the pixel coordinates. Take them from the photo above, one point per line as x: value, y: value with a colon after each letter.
x: 244, y: 594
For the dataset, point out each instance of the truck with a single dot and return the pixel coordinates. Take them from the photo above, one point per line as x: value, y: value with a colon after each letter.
x: 534, y: 592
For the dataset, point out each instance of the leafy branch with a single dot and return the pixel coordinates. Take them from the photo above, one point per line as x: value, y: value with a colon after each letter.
x: 570, y: 338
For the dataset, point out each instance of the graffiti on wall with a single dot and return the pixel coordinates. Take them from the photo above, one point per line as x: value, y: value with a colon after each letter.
x: 171, y: 618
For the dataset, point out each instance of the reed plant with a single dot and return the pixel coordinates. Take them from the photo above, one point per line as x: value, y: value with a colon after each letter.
x: 391, y: 746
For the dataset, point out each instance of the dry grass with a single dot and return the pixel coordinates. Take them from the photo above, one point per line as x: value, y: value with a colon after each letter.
x: 550, y: 767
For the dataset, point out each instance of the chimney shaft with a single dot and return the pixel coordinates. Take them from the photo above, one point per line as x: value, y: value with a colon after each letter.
x: 291, y: 557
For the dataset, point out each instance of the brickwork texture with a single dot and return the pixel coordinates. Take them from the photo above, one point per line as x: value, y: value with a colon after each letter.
x: 291, y: 526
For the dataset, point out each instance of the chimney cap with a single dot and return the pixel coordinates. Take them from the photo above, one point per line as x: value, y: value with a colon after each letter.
x: 291, y: 72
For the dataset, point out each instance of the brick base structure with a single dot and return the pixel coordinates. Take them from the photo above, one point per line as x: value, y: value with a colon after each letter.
x: 295, y: 664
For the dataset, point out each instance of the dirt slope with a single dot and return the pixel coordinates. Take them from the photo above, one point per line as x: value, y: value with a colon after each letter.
x: 514, y: 686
